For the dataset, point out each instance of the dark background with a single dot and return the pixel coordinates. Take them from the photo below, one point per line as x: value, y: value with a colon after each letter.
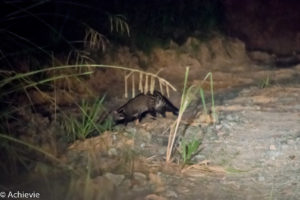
x: 58, y: 26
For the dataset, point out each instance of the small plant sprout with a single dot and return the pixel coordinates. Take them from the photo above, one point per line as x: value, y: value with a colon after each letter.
x: 188, y: 149
x: 265, y: 82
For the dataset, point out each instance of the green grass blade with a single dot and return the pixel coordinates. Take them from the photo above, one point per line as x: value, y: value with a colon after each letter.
x: 203, y: 100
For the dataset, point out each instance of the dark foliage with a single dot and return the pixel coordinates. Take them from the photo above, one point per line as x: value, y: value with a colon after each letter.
x: 39, y: 28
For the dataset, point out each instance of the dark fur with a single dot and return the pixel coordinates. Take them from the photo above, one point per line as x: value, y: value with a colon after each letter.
x: 141, y: 105
x: 163, y: 105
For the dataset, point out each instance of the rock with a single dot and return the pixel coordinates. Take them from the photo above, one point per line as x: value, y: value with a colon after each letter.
x: 112, y: 152
x: 261, y: 178
x: 139, y: 181
x: 126, y: 184
x: 154, y: 197
x: 199, y: 158
x: 131, y: 130
x: 292, y: 157
x: 139, y: 176
x: 171, y: 194
x: 291, y: 142
x: 261, y: 57
x: 272, y: 147
x: 157, y: 182
x: 115, y: 178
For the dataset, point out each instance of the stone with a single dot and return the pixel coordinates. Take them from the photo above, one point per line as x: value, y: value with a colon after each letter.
x: 116, y: 179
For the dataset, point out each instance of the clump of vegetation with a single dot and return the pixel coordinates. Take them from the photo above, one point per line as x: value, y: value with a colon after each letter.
x: 188, y: 95
x: 31, y: 68
x: 188, y: 149
x: 86, y: 124
x: 265, y: 82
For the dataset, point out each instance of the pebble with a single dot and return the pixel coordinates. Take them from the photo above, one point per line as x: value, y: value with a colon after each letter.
x: 229, y: 118
x: 261, y: 178
x: 171, y: 194
x: 219, y: 126
x: 220, y: 133
x: 291, y: 142
x: 131, y: 130
x: 112, y: 152
x: 199, y: 158
x: 284, y: 146
x: 272, y: 147
x: 140, y: 177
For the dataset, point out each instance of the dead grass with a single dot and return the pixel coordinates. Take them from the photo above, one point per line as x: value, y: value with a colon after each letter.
x: 203, y: 169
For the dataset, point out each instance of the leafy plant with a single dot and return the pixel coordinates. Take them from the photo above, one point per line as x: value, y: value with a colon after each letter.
x: 189, y: 149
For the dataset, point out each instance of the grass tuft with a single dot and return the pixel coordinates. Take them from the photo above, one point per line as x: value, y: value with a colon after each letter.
x: 85, y: 125
x: 188, y: 149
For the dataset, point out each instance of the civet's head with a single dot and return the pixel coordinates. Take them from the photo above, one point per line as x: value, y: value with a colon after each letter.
x: 118, y: 116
